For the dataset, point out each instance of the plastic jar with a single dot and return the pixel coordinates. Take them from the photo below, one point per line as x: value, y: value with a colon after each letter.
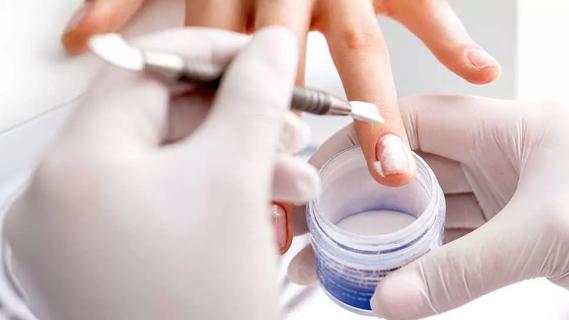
x: 350, y: 265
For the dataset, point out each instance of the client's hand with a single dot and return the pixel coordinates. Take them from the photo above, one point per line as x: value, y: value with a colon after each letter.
x: 356, y: 43
x: 143, y: 210
x: 499, y: 160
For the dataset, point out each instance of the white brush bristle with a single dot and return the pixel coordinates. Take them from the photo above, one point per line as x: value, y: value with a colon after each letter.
x: 365, y: 111
x: 115, y: 50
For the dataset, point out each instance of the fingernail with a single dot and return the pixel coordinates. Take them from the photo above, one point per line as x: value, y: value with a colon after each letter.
x: 393, y: 157
x: 400, y: 295
x: 481, y: 59
x: 278, y: 216
x: 78, y: 16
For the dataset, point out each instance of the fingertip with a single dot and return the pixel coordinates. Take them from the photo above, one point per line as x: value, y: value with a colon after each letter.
x: 478, y: 66
x: 400, y: 296
x: 77, y: 31
x: 394, y: 180
x: 484, y: 76
x: 72, y: 45
x: 394, y: 164
x: 96, y: 17
x: 295, y: 180
x: 296, y: 134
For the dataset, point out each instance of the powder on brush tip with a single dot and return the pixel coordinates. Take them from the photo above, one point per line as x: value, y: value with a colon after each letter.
x: 365, y: 111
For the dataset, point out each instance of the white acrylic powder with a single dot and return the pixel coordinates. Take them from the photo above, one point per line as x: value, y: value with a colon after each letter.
x: 375, y: 222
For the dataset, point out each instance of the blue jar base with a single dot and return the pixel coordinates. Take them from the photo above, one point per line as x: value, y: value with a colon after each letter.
x: 363, y: 312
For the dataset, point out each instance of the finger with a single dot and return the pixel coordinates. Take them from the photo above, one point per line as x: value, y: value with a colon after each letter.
x: 222, y: 14
x: 295, y: 134
x: 295, y: 180
x: 463, y: 212
x: 95, y: 17
x: 501, y: 252
x: 134, y: 107
x: 361, y: 57
x: 282, y: 226
x: 294, y: 15
x: 302, y: 268
x: 449, y: 173
x: 250, y: 104
x: 436, y: 24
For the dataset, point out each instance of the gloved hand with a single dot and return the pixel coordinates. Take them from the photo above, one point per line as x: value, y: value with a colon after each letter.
x: 132, y: 215
x: 503, y: 168
x: 357, y: 47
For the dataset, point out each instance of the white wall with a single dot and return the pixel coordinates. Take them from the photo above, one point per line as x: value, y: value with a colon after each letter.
x: 492, y: 23
x: 543, y: 50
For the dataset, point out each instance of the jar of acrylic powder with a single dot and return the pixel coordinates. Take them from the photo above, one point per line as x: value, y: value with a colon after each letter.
x: 361, y: 230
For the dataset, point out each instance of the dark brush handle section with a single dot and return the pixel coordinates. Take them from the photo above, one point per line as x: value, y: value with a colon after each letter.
x: 172, y: 68
x: 310, y: 100
x: 200, y: 72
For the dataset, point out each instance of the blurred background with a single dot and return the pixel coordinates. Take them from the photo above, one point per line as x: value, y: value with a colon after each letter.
x: 40, y: 84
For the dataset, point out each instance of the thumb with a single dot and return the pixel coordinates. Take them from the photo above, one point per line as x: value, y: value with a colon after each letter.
x: 249, y: 107
x: 95, y: 17
x: 464, y: 269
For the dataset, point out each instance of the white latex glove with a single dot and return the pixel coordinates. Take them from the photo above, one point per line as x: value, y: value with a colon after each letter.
x: 500, y: 160
x: 118, y: 225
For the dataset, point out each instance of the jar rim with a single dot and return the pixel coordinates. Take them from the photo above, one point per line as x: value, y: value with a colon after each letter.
x: 414, y: 230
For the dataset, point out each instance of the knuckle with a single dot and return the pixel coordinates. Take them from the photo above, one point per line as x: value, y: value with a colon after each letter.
x: 361, y: 37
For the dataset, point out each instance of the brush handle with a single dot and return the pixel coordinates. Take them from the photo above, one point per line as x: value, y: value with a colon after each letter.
x: 200, y: 72
x: 176, y: 68
x: 319, y: 102
x: 303, y: 99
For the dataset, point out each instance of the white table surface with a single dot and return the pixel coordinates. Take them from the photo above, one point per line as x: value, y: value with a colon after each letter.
x: 39, y: 84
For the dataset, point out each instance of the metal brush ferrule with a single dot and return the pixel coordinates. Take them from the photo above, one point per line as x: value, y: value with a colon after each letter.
x: 197, y: 71
x: 318, y: 102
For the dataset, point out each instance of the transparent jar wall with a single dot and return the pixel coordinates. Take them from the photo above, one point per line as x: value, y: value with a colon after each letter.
x: 350, y: 265
x: 348, y: 188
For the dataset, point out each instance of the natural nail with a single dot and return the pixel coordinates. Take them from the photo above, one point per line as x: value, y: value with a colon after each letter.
x: 278, y: 216
x: 481, y: 59
x: 393, y: 157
